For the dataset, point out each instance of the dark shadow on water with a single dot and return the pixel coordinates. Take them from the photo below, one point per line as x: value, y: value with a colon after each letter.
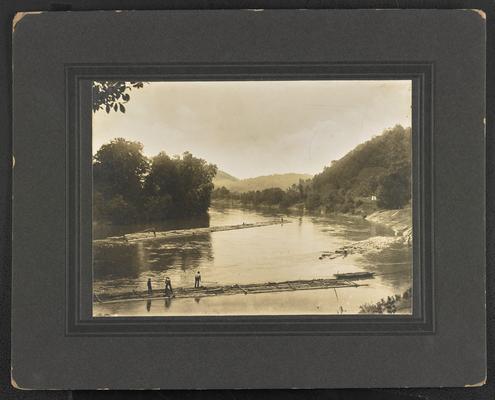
x: 128, y: 260
x: 117, y: 260
x: 184, y: 253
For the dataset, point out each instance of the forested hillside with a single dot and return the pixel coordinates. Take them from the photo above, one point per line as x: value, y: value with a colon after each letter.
x: 380, y: 167
x: 374, y: 175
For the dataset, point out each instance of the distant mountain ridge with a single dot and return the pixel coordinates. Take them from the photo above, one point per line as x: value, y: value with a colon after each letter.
x: 282, y: 181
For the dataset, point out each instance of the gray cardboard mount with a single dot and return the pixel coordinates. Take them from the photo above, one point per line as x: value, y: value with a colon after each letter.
x: 56, y: 345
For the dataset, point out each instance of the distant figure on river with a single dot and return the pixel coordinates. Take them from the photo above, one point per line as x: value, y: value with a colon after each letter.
x: 168, y: 287
x: 197, y: 280
x: 150, y: 288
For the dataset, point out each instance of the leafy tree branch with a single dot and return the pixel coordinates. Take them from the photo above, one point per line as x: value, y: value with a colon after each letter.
x: 112, y: 95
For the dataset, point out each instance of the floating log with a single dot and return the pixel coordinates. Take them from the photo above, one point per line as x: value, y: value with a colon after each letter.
x: 179, y: 233
x: 208, y: 291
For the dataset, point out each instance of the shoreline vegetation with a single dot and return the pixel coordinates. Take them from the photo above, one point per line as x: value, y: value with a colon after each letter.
x: 390, y: 305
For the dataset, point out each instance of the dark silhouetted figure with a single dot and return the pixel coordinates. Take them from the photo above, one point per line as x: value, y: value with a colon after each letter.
x: 148, y: 305
x: 168, y: 287
x: 150, y: 288
x: 197, y: 280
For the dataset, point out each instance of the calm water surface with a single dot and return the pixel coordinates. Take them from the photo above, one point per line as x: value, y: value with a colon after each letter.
x: 287, y: 251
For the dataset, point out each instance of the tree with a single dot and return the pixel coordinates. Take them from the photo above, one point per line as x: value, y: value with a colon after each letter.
x: 196, y: 178
x: 130, y: 188
x: 161, y: 186
x: 119, y: 168
x: 112, y: 95
x: 394, y: 190
x: 178, y: 186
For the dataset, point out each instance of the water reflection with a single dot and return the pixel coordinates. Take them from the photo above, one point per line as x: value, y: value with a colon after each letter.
x: 117, y: 260
x: 392, y: 265
x: 116, y: 266
x: 284, y: 251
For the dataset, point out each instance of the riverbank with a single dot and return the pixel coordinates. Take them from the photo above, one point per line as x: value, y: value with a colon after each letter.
x: 399, y: 221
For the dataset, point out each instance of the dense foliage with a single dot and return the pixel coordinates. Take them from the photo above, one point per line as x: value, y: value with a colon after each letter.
x: 379, y: 168
x: 128, y: 187
x: 376, y: 174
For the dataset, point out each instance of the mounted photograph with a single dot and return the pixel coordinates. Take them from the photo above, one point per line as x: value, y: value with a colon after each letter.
x: 256, y: 198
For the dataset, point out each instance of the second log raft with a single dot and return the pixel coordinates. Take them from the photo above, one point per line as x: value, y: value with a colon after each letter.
x: 150, y: 234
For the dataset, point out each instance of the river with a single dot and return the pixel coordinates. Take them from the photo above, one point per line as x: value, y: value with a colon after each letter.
x: 287, y: 251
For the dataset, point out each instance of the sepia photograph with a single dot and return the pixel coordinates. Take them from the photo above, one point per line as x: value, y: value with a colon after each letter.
x: 256, y: 198
x: 247, y: 199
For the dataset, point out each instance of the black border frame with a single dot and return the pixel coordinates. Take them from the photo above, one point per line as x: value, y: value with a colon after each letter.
x: 78, y: 95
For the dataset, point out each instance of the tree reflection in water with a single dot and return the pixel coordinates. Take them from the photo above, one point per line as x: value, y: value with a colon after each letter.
x: 129, y: 260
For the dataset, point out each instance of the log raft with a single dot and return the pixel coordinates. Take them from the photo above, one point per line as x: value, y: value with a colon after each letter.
x: 150, y: 234
x: 209, y: 291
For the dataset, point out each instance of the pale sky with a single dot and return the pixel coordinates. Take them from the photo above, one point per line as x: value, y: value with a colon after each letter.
x: 258, y: 128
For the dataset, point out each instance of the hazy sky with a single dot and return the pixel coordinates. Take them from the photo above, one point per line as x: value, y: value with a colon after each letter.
x: 258, y: 128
